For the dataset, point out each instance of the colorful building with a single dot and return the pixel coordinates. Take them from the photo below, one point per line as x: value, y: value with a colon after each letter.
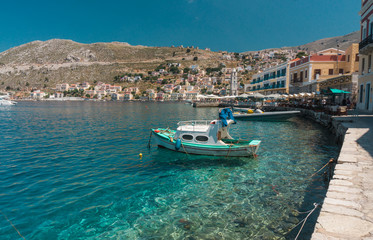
x: 307, y: 73
x: 271, y: 80
x: 365, y: 82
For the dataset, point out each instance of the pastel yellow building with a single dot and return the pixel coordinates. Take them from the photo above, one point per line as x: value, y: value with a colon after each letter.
x: 308, y: 72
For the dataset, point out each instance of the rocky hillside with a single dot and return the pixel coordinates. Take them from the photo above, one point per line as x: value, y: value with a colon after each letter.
x: 38, y: 63
x: 343, y: 41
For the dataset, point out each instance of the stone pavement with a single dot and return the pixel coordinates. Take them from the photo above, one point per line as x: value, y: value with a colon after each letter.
x: 347, y: 211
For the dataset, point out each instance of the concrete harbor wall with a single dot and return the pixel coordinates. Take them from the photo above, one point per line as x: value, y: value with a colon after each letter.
x: 347, y: 210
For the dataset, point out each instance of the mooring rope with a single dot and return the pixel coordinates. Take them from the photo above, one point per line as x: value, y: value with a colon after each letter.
x: 305, y: 220
x: 330, y: 162
x: 229, y: 151
x: 12, y: 225
x: 184, y: 148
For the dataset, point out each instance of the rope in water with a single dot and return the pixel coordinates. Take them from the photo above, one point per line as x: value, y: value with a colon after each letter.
x: 305, y: 220
x: 12, y: 225
x: 330, y: 162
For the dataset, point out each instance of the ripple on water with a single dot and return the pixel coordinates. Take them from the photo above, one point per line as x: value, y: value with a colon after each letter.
x: 71, y: 170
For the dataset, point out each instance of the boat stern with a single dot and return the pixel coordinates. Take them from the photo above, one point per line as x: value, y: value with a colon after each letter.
x: 254, y: 146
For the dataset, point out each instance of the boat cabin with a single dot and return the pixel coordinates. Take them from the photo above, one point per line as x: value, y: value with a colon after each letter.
x: 203, y: 132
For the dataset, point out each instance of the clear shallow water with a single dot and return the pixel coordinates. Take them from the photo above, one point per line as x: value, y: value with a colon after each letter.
x: 72, y: 171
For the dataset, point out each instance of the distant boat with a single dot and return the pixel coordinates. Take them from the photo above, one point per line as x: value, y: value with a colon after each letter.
x: 205, y: 137
x: 249, y: 114
x: 5, y: 101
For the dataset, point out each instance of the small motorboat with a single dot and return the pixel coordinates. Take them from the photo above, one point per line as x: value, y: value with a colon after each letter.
x: 258, y: 115
x: 5, y: 101
x: 204, y: 137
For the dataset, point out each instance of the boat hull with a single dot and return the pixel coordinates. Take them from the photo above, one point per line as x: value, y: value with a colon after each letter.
x: 225, y: 151
x: 266, y: 116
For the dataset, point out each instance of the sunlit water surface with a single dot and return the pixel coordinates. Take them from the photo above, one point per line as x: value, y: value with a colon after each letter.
x: 72, y: 170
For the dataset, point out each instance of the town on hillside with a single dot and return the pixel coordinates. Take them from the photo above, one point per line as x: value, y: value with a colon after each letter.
x: 266, y: 72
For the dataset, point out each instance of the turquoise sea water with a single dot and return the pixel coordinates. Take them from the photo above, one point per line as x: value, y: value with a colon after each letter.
x: 72, y: 171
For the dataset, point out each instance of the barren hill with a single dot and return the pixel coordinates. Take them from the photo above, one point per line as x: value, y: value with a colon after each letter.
x: 342, y: 41
x: 55, y: 61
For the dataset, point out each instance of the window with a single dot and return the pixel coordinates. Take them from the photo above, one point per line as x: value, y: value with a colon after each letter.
x: 341, y: 71
x: 348, y: 58
x: 283, y: 72
x: 317, y: 73
x: 301, y: 76
x: 306, y: 74
x: 357, y: 57
x: 187, y: 137
x: 202, y: 138
x: 369, y: 63
x: 363, y: 66
x: 331, y: 71
x: 295, y: 77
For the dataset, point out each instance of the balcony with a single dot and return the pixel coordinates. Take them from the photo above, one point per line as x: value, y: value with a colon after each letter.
x: 366, y: 45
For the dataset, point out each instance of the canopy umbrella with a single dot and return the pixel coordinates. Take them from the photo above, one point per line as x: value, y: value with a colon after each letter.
x: 201, y: 96
x: 274, y: 96
x: 334, y: 91
x: 244, y: 95
x: 229, y: 97
x: 257, y: 95
x: 212, y: 96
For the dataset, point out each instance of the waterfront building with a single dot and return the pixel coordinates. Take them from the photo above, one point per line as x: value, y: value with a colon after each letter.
x: 365, y: 82
x: 117, y: 96
x: 101, y: 94
x: 58, y: 95
x: 191, y: 95
x: 90, y: 92
x: 152, y: 96
x: 37, y: 94
x: 174, y: 96
x: 271, y: 80
x: 307, y: 73
x: 85, y: 85
x: 160, y: 96
x: 128, y: 96
x: 234, y: 83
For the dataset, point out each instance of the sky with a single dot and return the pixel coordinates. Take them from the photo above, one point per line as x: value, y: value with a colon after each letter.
x: 229, y: 25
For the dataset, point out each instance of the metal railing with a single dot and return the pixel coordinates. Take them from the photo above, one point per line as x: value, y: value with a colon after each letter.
x: 368, y: 40
x: 194, y: 123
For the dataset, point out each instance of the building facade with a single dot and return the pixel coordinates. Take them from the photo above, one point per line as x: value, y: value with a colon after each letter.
x: 365, y: 82
x: 307, y: 73
x: 271, y: 80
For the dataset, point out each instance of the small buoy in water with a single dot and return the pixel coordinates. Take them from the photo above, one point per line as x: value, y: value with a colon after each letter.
x: 140, y: 155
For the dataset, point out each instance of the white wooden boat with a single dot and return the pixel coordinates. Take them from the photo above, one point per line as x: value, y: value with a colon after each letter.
x: 205, y: 138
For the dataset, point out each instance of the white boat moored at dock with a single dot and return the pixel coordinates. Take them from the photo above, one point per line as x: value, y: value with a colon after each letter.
x: 204, y: 137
